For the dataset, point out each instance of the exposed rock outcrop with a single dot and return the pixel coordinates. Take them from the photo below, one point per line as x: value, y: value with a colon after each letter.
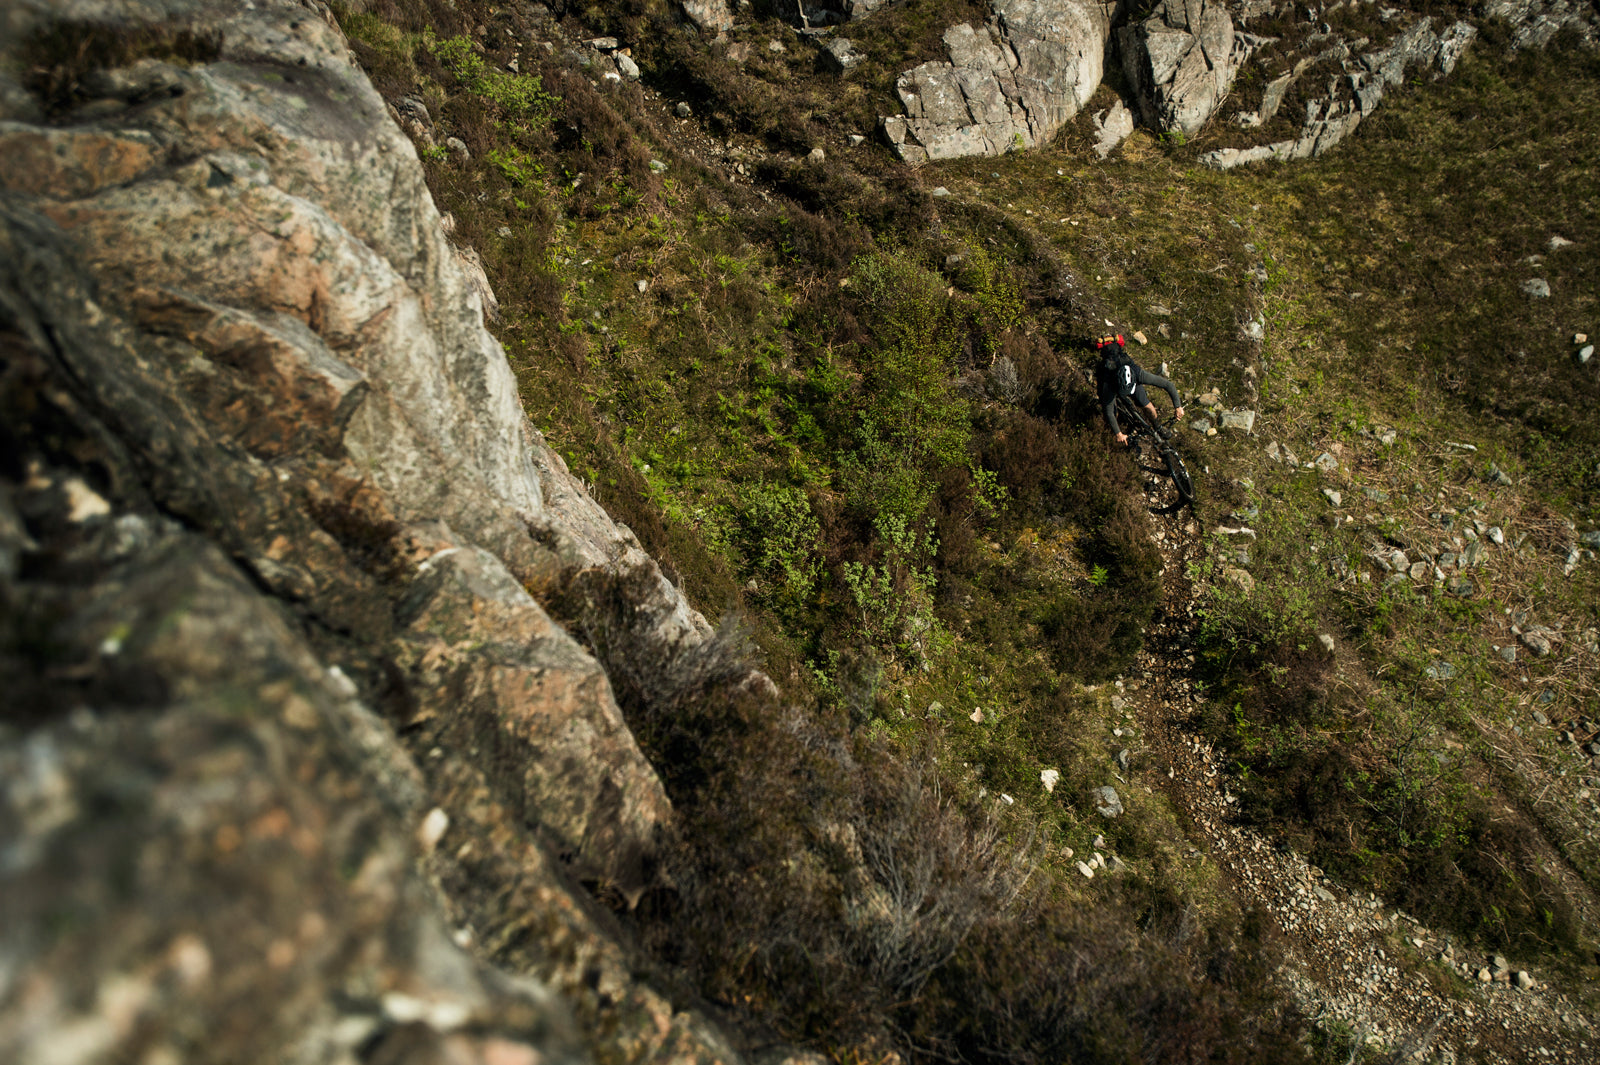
x: 1350, y: 98
x: 1182, y: 61
x: 1012, y: 83
x: 268, y: 497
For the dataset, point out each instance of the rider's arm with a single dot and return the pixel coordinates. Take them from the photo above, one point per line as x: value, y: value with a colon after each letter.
x: 1148, y: 378
x: 1110, y: 408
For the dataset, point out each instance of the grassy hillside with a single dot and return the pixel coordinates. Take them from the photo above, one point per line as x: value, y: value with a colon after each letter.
x: 852, y: 415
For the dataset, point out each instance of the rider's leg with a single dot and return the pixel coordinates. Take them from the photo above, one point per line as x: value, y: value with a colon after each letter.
x: 1150, y: 409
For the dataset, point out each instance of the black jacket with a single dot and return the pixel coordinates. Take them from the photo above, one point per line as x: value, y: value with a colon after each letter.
x: 1106, y: 381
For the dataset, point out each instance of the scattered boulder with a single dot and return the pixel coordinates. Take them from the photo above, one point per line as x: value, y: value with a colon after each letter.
x: 1240, y: 579
x: 1113, y: 126
x: 842, y: 54
x: 1106, y: 801
x: 1281, y: 453
x: 1243, y: 420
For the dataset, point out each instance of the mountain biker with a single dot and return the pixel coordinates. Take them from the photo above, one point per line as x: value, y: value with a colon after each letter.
x: 1117, y: 374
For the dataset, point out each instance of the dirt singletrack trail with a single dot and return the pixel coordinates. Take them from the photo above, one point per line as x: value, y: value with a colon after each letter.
x: 1363, y: 968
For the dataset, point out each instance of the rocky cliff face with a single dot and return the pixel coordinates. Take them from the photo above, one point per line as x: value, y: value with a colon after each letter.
x: 1016, y: 81
x: 268, y: 503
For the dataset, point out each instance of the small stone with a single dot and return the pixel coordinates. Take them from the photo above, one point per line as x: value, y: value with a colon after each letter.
x: 776, y: 47
x: 1240, y: 579
x: 940, y: 191
x: 1122, y: 759
x: 1585, y: 353
x: 1243, y: 420
x: 856, y: 140
x: 1326, y: 639
x: 1326, y: 462
x: 503, y: 231
x: 1508, y: 652
x: 817, y: 155
x: 458, y: 150
x: 1377, y: 495
x: 1536, y: 640
x: 1523, y: 980
x: 1539, y: 718
x: 1500, y: 964
x: 1201, y: 425
x: 657, y: 166
x: 1496, y: 535
x: 1439, y: 669
x: 1049, y: 777
x: 976, y: 715
x: 1086, y: 870
x: 1495, y: 475
x: 603, y: 44
x: 1580, y: 338
x: 1485, y: 976
x: 432, y: 829
x: 1418, y: 570
x: 1140, y: 337
x: 1334, y: 496
x: 641, y: 285
x: 1212, y: 398
x: 1106, y: 801
x: 1536, y: 287
x: 684, y: 110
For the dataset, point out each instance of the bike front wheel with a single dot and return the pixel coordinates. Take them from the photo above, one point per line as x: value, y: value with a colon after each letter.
x: 1179, y: 474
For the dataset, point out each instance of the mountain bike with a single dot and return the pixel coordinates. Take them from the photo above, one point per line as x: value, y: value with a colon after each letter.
x: 1170, y: 486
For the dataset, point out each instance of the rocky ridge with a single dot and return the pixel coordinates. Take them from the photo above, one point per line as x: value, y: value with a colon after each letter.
x: 266, y: 507
x: 1014, y: 82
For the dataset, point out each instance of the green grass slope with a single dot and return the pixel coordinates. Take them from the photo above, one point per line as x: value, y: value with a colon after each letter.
x: 851, y: 414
